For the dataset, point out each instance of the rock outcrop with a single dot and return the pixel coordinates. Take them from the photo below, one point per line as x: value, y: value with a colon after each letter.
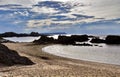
x: 44, y: 40
x: 66, y: 40
x: 13, y: 34
x: 34, y: 34
x: 79, y: 38
x: 97, y: 40
x: 8, y: 34
x: 72, y: 39
x: 112, y: 39
x: 10, y: 57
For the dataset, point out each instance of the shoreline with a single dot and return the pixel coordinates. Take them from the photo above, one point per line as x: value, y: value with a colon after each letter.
x: 48, y: 65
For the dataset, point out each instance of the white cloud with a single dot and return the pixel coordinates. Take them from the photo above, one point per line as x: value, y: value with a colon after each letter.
x: 24, y: 13
x: 38, y: 23
x: 4, y: 8
x: 45, y: 22
x: 102, y: 27
x: 52, y: 21
x: 106, y: 9
x: 25, y: 2
x: 44, y: 10
x: 19, y: 2
x: 68, y: 15
x: 17, y: 22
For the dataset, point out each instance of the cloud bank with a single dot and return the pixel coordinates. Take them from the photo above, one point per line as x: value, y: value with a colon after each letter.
x: 61, y: 15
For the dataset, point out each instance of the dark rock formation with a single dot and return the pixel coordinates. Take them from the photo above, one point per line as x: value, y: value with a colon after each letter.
x: 44, y: 40
x: 72, y: 39
x: 8, y: 34
x: 12, y: 34
x: 10, y: 57
x: 79, y: 38
x: 97, y: 40
x: 34, y: 34
x: 112, y: 39
x: 65, y: 40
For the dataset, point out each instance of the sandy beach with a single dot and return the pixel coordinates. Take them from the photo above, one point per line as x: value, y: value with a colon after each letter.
x: 47, y: 65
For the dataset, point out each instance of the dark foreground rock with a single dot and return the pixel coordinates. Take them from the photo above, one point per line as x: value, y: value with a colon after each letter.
x: 10, y: 57
x: 112, y: 39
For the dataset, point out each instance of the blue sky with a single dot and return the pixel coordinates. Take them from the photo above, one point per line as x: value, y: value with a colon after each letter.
x: 70, y: 16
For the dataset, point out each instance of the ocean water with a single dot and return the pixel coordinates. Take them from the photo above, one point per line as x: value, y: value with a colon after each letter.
x: 109, y: 54
x: 22, y: 39
x: 29, y: 39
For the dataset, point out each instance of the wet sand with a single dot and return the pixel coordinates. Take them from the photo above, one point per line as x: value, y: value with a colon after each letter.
x: 47, y: 65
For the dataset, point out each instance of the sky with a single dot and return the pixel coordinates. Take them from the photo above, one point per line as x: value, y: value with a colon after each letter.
x: 69, y: 16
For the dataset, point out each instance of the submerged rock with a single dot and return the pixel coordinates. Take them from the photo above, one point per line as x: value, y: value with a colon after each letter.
x: 10, y: 57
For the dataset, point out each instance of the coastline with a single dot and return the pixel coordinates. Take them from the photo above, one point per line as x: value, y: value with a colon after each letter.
x: 48, y: 65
